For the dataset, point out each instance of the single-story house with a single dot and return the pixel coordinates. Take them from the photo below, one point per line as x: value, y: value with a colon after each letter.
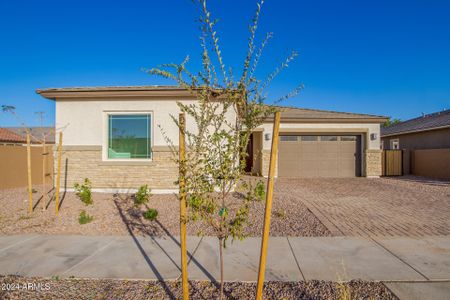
x: 425, y: 142
x: 37, y: 133
x: 9, y: 137
x: 113, y: 136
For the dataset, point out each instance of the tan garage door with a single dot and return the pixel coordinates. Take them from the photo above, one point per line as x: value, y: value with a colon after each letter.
x: 304, y: 156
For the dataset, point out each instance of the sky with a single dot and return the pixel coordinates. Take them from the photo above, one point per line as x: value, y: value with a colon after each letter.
x: 381, y: 57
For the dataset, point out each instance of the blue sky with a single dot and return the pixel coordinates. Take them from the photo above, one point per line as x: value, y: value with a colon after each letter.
x: 379, y: 57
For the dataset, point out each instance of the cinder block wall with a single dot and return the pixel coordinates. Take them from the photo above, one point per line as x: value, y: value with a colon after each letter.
x: 13, y: 166
x: 433, y: 163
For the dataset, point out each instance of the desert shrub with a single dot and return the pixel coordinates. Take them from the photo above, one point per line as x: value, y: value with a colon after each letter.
x: 280, y: 213
x: 260, y: 190
x: 255, y: 192
x: 142, y: 195
x: 151, y: 214
x: 83, y: 191
x: 84, y: 218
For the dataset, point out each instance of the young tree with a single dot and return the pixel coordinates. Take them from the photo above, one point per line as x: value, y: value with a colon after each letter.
x: 226, y: 113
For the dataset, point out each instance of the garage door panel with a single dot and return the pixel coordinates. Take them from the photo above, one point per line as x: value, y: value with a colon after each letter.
x: 308, y: 147
x: 308, y: 156
x: 347, y: 168
x: 347, y: 146
x: 327, y: 156
x: 328, y: 168
x: 289, y: 151
x: 328, y: 147
x: 288, y: 159
x: 308, y: 169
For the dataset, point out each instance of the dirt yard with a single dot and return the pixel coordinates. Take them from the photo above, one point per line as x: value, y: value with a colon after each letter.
x: 140, y: 289
x: 116, y: 215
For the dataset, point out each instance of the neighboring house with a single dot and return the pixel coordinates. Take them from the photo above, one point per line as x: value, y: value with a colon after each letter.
x: 37, y: 134
x: 8, y: 137
x: 425, y: 142
x: 112, y: 136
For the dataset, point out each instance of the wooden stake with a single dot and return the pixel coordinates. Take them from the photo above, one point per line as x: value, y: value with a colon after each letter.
x: 269, y: 195
x: 30, y: 184
x: 183, y: 217
x: 58, y: 173
x: 44, y: 165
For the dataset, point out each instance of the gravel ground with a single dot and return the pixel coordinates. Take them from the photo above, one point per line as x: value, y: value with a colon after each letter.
x: 123, y: 289
x: 116, y: 215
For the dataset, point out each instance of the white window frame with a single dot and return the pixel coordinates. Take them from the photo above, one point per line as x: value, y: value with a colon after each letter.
x: 105, y: 142
x: 394, y: 142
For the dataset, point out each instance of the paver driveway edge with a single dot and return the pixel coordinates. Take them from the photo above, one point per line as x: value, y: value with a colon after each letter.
x: 334, y: 230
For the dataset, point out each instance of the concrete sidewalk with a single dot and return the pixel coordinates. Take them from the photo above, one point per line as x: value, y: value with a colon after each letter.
x: 289, y: 259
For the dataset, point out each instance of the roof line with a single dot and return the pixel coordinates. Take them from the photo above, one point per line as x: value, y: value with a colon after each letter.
x: 416, y: 130
x: 332, y: 111
x: 110, y: 88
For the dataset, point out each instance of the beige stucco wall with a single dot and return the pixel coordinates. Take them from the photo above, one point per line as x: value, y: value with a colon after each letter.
x: 257, y: 153
x: 84, y: 125
x: 84, y: 122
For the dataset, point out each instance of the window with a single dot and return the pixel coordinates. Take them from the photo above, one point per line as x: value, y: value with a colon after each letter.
x: 348, y: 138
x: 309, y: 138
x: 395, y: 144
x: 288, y: 138
x: 129, y: 136
x: 328, y: 138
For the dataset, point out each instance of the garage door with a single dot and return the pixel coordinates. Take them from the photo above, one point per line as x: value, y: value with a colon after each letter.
x: 308, y: 156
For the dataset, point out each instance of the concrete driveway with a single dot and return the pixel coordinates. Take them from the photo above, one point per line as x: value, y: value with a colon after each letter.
x: 401, y: 206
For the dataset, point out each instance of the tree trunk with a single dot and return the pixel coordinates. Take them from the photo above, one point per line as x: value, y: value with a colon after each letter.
x: 221, y: 267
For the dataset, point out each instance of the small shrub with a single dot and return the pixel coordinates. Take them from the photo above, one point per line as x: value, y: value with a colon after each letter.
x: 142, y: 195
x: 85, y: 218
x: 151, y: 214
x: 24, y: 217
x: 83, y: 191
x: 280, y: 213
x: 260, y: 190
